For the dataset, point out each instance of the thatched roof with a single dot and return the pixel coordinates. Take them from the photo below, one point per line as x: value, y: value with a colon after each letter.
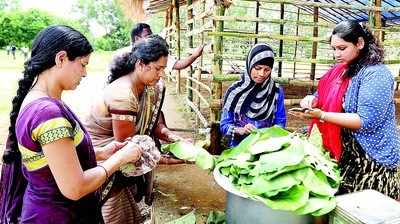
x: 133, y: 9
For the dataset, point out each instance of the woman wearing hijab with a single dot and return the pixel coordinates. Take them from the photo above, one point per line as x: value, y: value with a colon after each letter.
x: 255, y: 101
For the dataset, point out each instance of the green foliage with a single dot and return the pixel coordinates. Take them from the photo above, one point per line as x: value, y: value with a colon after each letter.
x: 21, y: 27
x: 118, y: 38
x: 108, y: 15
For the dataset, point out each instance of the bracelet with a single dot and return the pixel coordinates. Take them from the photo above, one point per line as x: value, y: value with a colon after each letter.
x: 105, y: 171
x: 322, y: 116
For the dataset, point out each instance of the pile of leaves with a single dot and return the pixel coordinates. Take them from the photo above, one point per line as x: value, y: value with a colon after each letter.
x: 281, y: 169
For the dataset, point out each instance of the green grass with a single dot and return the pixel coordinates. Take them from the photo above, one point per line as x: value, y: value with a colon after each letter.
x: 10, y: 71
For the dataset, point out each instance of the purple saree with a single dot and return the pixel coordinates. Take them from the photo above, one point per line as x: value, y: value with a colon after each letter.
x: 43, y: 121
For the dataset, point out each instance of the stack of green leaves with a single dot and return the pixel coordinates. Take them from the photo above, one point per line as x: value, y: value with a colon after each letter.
x: 283, y: 170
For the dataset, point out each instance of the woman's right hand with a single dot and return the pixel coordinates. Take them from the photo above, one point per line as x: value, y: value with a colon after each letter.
x: 244, y: 130
x: 131, y: 152
x: 309, y: 101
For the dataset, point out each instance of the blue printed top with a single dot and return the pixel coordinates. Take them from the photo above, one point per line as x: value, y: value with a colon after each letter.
x: 370, y: 95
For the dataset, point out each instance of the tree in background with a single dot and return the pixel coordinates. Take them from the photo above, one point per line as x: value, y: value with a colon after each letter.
x: 109, y: 16
x: 20, y: 27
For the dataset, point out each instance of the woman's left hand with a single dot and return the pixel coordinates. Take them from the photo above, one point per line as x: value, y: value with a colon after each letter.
x: 308, y: 114
x: 108, y: 150
x: 314, y: 113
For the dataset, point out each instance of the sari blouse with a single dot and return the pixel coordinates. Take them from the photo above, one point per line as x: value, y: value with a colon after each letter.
x: 118, y: 102
x: 41, y: 122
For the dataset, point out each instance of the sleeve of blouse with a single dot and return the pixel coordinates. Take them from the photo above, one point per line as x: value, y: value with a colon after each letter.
x: 280, y: 113
x: 121, y: 103
x: 374, y: 98
x: 50, y: 125
x: 226, y: 123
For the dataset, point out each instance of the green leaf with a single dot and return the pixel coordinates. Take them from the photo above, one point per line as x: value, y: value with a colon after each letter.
x: 242, y: 147
x: 286, y: 169
x: 316, y: 204
x: 290, y: 156
x: 189, y: 218
x: 328, y: 207
x: 291, y: 200
x: 205, y: 160
x: 274, y: 131
x: 315, y: 137
x: 183, y: 150
x: 315, y: 181
x: 216, y: 217
x: 270, y: 188
x: 270, y: 145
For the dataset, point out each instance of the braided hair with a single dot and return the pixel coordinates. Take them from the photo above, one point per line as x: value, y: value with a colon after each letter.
x: 148, y: 50
x: 46, y: 45
x: 370, y: 54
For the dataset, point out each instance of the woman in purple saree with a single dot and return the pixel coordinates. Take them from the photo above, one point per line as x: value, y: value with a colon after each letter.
x: 50, y: 174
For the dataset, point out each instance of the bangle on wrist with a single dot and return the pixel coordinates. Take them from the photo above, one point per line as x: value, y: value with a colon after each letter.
x: 322, y: 116
x: 105, y: 171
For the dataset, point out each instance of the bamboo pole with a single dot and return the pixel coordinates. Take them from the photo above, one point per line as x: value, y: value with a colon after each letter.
x: 288, y: 22
x: 267, y: 36
x: 269, y: 20
x: 178, y: 44
x: 203, y: 8
x: 257, y: 16
x: 327, y: 61
x: 281, y: 27
x: 332, y: 5
x: 314, y: 45
x: 190, y: 43
x: 296, y: 43
x: 166, y: 22
x: 217, y: 61
x: 378, y: 21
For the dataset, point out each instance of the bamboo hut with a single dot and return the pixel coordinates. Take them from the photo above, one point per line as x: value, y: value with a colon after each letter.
x: 296, y: 29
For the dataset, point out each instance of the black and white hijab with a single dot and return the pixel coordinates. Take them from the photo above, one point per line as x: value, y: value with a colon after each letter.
x: 257, y: 101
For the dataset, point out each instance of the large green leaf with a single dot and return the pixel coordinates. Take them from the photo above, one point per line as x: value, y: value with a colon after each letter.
x: 182, y: 150
x: 216, y: 217
x: 316, y: 204
x: 315, y: 137
x: 274, y: 131
x: 189, y: 218
x: 291, y: 200
x: 242, y: 147
x: 328, y: 207
x: 315, y: 182
x: 290, y: 156
x: 205, y: 160
x: 320, y: 161
x: 270, y: 188
x: 270, y: 145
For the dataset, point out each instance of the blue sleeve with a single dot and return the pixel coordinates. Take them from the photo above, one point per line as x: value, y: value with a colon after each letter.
x: 227, y: 123
x: 280, y: 113
x: 374, y: 98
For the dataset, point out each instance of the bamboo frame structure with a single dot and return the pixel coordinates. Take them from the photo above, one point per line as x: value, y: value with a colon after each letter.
x: 210, y: 25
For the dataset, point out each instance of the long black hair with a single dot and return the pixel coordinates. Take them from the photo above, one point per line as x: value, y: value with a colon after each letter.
x: 370, y: 54
x: 46, y: 45
x: 148, y: 50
